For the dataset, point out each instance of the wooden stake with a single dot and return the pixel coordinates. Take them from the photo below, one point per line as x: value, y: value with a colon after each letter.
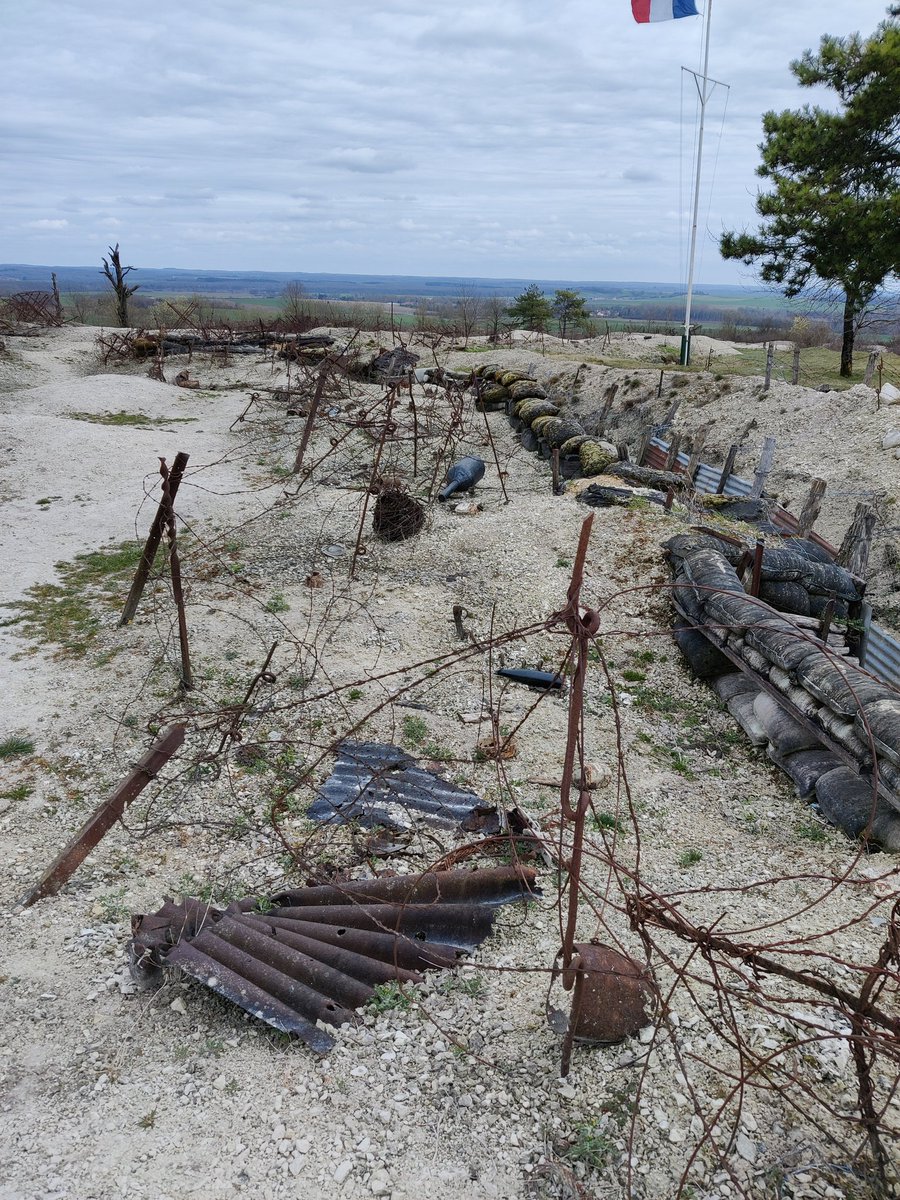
x: 554, y: 464
x: 854, y: 551
x: 766, y: 460
x: 756, y: 578
x: 770, y: 360
x: 102, y: 820
x: 812, y: 507
x: 871, y: 367
x: 672, y: 456
x: 154, y: 536
x: 696, y: 451
x: 187, y: 678
x: 728, y: 469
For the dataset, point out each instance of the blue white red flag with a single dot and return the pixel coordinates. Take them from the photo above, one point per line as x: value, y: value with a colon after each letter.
x: 662, y: 10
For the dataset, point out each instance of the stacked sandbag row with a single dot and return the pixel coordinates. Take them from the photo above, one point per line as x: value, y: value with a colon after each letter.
x: 539, y: 422
x: 819, y: 679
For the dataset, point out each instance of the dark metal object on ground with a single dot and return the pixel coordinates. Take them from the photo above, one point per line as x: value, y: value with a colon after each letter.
x: 598, y: 495
x: 536, y: 679
x: 311, y: 956
x: 378, y: 784
x: 110, y: 811
x: 612, y: 998
x: 397, y: 516
x: 462, y: 477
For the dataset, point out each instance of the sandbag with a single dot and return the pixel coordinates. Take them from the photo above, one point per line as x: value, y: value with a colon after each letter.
x: 785, y: 733
x: 683, y: 545
x: 734, y: 610
x: 819, y: 602
x: 786, y: 597
x: 735, y: 684
x: 846, y: 800
x: 525, y: 389
x: 829, y: 579
x: 805, y: 768
x: 839, y: 685
x: 783, y: 566
x: 782, y: 643
x: 754, y: 659
x: 883, y: 717
x: 742, y: 709
x: 701, y: 655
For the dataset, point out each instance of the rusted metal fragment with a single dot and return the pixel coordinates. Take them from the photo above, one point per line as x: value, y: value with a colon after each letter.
x: 379, y: 784
x: 248, y: 996
x: 495, y: 885
x: 612, y: 998
x: 103, y: 818
x: 294, y: 960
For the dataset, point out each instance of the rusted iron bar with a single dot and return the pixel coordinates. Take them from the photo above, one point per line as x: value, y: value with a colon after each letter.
x: 500, y: 473
x: 103, y: 819
x: 232, y: 733
x: 494, y: 885
x: 412, y: 954
x: 826, y: 619
x: 310, y: 420
x: 386, y: 428
x: 756, y: 578
x: 187, y: 678
x: 458, y: 612
x: 582, y: 628
x: 155, y: 535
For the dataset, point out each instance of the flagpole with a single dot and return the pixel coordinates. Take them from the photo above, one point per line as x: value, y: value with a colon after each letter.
x: 704, y: 96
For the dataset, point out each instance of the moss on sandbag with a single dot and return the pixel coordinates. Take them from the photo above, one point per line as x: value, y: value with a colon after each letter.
x: 530, y: 410
x: 574, y: 444
x: 539, y: 424
x: 509, y: 377
x: 595, y: 457
x: 559, y: 430
x: 494, y: 392
x: 522, y: 389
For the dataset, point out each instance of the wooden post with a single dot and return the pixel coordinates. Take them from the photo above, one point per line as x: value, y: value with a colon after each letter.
x: 313, y: 409
x: 854, y: 551
x: 696, y: 451
x: 728, y: 469
x: 554, y: 465
x: 154, y: 536
x: 103, y: 818
x: 644, y: 445
x: 766, y: 459
x: 795, y: 367
x: 770, y: 359
x: 659, y: 385
x: 607, y: 405
x: 622, y: 451
x: 672, y: 456
x: 812, y: 507
x: 871, y: 367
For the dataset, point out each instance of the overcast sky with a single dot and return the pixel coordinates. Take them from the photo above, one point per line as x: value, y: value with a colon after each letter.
x: 523, y: 138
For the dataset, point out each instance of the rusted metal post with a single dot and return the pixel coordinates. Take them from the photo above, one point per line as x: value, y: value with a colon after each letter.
x: 141, y: 575
x: 826, y: 619
x: 307, y: 428
x: 554, y: 470
x: 728, y: 469
x: 659, y: 385
x: 415, y: 417
x: 812, y: 507
x: 757, y: 568
x: 458, y: 614
x: 102, y: 820
x: 490, y: 437
x: 187, y: 678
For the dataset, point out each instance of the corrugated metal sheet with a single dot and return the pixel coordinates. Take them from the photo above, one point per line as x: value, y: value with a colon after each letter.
x: 883, y: 655
x: 882, y: 651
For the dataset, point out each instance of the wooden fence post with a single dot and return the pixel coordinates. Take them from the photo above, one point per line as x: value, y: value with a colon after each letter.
x: 812, y: 507
x: 766, y: 459
x: 728, y: 469
x: 770, y: 359
x: 854, y: 551
x: 672, y: 456
x: 871, y: 367
x: 795, y: 368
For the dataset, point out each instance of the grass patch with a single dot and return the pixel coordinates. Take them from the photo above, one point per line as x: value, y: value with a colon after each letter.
x: 17, y: 745
x: 415, y: 731
x: 129, y: 420
x: 388, y: 997
x: 812, y: 831
x: 690, y: 858
x: 608, y: 821
x: 68, y: 614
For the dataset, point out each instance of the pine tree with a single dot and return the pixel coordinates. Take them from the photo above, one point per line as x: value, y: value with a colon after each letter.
x: 531, y: 309
x: 833, y: 211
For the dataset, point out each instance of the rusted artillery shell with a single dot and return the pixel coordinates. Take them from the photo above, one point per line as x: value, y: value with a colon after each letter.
x: 613, y: 998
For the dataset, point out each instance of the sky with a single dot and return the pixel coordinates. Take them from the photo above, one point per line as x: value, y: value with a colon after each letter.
x: 516, y: 138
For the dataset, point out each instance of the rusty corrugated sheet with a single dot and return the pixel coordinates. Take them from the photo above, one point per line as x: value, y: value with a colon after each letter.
x: 312, y: 956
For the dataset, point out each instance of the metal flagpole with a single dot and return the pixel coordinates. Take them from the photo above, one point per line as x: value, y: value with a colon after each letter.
x: 704, y: 96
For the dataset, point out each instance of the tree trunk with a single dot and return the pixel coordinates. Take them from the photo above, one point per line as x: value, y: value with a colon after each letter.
x: 849, y: 334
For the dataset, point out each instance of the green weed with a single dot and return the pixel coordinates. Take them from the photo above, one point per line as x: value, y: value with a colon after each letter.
x: 690, y: 858
x: 17, y: 745
x: 390, y: 996
x: 415, y: 730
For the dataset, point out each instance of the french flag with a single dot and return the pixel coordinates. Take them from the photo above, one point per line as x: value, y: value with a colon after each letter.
x: 662, y: 10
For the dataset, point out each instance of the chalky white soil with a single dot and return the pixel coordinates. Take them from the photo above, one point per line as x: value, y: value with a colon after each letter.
x: 105, y: 1092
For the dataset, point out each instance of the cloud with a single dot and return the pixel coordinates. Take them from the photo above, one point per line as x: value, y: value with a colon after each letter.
x: 49, y: 223
x: 362, y: 158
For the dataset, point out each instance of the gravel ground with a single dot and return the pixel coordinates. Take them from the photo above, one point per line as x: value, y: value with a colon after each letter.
x: 455, y: 1090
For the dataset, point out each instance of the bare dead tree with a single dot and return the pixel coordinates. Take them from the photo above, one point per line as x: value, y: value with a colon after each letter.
x: 116, y: 273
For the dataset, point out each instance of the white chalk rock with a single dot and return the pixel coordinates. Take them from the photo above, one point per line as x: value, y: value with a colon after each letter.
x: 889, y: 394
x: 891, y: 439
